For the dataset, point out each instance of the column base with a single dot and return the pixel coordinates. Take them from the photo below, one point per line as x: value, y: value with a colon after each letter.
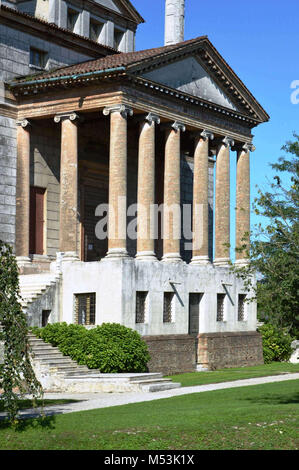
x: 69, y: 256
x: 241, y: 262
x: 23, y: 261
x: 203, y: 260
x: 146, y: 256
x: 172, y: 258
x: 225, y: 262
x: 117, y: 253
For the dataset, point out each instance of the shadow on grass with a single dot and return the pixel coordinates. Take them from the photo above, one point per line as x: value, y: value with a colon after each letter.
x: 290, y: 399
x: 24, y: 423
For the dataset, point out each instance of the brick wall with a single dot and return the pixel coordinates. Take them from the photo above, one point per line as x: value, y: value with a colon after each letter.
x: 222, y: 350
x: 171, y: 354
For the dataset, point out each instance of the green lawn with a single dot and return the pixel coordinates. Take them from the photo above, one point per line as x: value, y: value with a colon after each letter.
x: 238, y: 373
x: 25, y: 404
x: 254, y: 417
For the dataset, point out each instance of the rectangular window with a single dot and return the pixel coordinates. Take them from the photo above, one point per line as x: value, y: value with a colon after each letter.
x: 141, y: 306
x: 118, y: 36
x: 241, y: 307
x: 168, y: 307
x: 220, y: 307
x: 85, y: 309
x: 37, y: 57
x: 72, y: 17
x: 95, y: 30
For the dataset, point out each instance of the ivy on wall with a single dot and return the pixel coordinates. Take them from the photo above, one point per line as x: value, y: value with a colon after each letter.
x: 16, y: 375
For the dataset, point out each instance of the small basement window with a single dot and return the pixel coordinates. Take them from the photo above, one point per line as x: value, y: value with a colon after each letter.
x: 85, y: 309
x: 168, y: 307
x: 38, y: 58
x: 220, y: 307
x: 241, y: 307
x: 141, y: 306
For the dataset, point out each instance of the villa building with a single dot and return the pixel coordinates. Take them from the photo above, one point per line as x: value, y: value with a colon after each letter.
x: 115, y: 172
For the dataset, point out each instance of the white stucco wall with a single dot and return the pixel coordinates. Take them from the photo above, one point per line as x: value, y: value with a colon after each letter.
x: 115, y: 283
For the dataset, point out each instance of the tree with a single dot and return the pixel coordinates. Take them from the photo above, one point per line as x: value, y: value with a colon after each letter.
x: 17, y: 373
x: 274, y: 251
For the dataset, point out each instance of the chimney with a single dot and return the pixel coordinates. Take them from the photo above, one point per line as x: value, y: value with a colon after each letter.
x: 174, y: 21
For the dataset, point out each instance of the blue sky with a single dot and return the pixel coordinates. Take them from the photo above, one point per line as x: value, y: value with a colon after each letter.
x: 260, y: 41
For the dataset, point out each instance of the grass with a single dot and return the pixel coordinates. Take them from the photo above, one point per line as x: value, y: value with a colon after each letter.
x: 238, y: 373
x: 261, y: 417
x: 25, y: 404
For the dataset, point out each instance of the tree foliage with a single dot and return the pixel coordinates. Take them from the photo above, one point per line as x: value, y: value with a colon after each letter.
x: 274, y: 251
x: 17, y: 375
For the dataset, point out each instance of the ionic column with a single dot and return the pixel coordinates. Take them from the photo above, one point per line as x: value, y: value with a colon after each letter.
x: 243, y: 204
x: 23, y: 192
x: 117, y: 218
x: 146, y: 189
x: 68, y: 185
x: 172, y: 194
x: 222, y: 204
x: 200, y: 199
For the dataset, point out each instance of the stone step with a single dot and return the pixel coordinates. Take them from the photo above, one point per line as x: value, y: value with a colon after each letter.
x: 159, y: 387
x: 43, y: 278
x: 153, y: 376
x: 150, y: 381
x: 45, y: 353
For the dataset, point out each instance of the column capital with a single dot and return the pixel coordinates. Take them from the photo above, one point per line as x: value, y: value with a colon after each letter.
x: 178, y: 126
x: 152, y: 118
x: 228, y: 141
x: 123, y: 109
x: 23, y: 123
x: 207, y: 135
x: 204, y: 135
x: 63, y: 116
x: 248, y: 147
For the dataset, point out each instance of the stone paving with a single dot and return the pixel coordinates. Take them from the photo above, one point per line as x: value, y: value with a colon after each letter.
x: 104, y: 400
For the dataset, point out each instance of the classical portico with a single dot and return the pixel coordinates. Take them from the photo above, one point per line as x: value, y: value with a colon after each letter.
x: 146, y: 124
x: 110, y: 160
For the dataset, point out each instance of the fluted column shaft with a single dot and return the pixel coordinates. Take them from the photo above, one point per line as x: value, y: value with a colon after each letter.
x: 200, y: 199
x: 23, y: 191
x: 117, y: 218
x: 222, y: 204
x: 172, y: 194
x: 146, y: 189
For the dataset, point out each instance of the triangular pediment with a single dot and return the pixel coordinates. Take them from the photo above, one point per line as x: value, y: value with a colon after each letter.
x: 189, y: 76
x: 122, y: 7
x: 109, y: 4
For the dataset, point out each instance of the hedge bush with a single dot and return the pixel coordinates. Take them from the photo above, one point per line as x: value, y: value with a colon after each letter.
x: 276, y: 343
x: 111, y: 348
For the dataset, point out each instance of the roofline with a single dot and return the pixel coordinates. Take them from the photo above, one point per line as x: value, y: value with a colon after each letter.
x: 94, y: 48
x: 186, y: 46
x: 128, y: 4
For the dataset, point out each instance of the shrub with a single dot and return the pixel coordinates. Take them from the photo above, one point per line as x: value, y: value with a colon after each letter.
x: 111, y: 348
x: 276, y: 343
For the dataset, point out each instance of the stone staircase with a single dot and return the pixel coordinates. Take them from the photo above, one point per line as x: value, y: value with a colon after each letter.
x: 60, y: 373
x: 34, y: 286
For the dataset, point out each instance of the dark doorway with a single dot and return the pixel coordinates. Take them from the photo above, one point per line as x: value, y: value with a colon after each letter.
x: 37, y: 220
x: 194, y: 303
